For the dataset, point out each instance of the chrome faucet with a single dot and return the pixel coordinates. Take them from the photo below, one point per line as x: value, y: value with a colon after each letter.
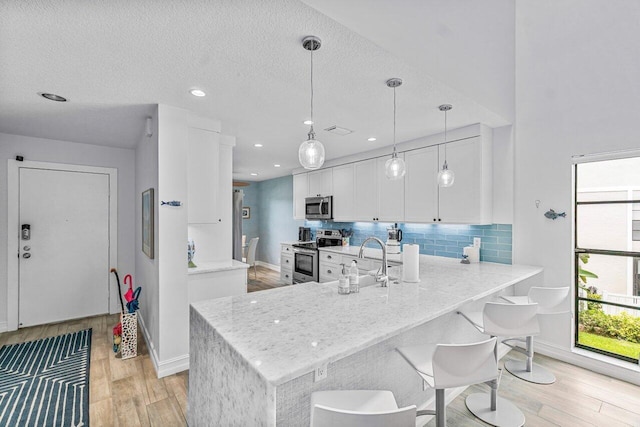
x: 384, y: 277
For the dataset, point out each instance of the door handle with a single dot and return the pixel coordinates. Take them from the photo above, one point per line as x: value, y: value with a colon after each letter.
x: 26, y: 255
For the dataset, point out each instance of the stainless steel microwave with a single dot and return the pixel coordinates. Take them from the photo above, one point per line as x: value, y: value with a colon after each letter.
x: 318, y: 208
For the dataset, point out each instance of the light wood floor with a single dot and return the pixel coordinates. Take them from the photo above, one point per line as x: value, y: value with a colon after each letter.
x: 122, y: 392
x: 128, y: 393
x: 266, y: 279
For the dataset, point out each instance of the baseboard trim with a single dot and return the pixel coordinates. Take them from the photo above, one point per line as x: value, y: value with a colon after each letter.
x: 269, y: 266
x: 4, y: 327
x: 595, y: 362
x: 166, y: 367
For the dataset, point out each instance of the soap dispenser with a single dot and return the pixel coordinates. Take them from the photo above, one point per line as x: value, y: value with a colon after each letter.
x: 354, y: 280
x: 343, y: 282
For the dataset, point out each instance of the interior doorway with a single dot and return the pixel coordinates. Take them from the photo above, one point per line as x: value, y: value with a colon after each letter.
x: 62, y: 233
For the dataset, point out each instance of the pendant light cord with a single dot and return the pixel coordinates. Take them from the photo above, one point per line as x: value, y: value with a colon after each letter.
x: 445, y: 137
x: 394, y: 122
x: 311, y: 131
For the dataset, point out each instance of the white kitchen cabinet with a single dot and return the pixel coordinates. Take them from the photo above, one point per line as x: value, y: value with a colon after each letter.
x: 286, y: 264
x: 421, y: 186
x: 344, y: 204
x: 300, y: 191
x: 203, y: 176
x: 390, y: 194
x: 366, y: 191
x: 377, y: 198
x: 468, y: 201
x: 320, y: 183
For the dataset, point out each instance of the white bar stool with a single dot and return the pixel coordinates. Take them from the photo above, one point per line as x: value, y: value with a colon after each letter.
x: 549, y: 301
x: 501, y: 320
x: 359, y: 408
x: 443, y: 366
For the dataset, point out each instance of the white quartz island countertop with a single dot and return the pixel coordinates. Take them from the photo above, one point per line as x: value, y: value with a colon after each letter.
x: 289, y: 331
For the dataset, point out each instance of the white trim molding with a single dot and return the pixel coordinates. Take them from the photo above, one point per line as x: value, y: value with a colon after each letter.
x: 13, y: 226
x: 269, y: 266
x: 3, y: 327
x: 592, y: 361
x: 166, y: 367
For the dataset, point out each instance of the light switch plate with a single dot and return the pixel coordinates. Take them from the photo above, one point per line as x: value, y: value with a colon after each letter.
x: 477, y: 241
x: 321, y: 373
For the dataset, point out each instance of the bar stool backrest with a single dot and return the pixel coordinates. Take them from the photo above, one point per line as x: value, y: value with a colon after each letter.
x: 324, y: 416
x: 456, y: 365
x: 510, y: 320
x: 549, y: 299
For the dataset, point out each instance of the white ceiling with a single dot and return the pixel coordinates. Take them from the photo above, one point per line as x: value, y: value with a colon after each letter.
x: 115, y: 59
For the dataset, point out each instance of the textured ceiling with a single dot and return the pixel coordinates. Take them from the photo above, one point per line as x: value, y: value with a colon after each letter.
x: 114, y: 59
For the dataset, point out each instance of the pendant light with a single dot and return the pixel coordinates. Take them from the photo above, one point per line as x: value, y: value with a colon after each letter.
x: 394, y: 168
x: 445, y: 176
x: 311, y: 151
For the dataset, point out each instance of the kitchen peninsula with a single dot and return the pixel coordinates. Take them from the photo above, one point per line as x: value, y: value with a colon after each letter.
x: 253, y: 357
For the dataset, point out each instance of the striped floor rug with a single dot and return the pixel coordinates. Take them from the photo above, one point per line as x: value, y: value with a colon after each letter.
x: 46, y: 382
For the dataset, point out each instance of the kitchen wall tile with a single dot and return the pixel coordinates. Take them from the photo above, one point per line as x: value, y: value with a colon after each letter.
x: 436, y: 239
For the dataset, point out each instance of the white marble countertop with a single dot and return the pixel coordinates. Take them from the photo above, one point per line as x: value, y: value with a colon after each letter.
x: 369, y: 252
x: 287, y: 332
x: 214, y: 266
x: 294, y: 242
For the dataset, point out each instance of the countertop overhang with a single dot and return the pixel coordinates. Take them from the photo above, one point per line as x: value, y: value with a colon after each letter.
x: 286, y: 332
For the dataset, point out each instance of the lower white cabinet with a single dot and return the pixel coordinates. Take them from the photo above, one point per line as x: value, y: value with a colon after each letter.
x: 286, y: 264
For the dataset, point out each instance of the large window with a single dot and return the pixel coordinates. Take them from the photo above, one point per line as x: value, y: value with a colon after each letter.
x: 607, y: 257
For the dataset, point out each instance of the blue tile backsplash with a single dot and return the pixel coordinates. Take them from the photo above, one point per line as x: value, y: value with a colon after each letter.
x: 436, y: 239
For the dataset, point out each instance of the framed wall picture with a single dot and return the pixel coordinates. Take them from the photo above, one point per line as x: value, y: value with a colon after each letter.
x: 246, y: 213
x: 147, y: 222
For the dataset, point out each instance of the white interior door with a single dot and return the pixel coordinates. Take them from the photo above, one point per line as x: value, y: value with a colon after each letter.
x: 64, y: 266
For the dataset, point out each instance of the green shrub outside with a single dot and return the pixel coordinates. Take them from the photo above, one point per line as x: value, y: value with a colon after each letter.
x: 620, y: 326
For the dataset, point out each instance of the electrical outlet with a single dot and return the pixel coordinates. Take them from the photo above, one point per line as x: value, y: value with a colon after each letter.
x: 477, y: 241
x: 321, y: 373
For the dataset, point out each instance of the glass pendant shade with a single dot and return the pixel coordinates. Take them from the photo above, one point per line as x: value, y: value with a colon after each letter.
x: 311, y: 153
x: 446, y: 176
x: 395, y: 168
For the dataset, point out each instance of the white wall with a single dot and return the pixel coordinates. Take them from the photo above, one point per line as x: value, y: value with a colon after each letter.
x: 577, y: 92
x: 147, y: 269
x: 48, y: 150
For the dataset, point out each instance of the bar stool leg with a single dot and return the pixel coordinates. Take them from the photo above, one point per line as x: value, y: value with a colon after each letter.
x: 525, y: 370
x: 441, y: 408
x: 492, y: 409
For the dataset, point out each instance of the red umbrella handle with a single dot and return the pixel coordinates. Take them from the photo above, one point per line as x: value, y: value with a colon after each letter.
x: 130, y: 280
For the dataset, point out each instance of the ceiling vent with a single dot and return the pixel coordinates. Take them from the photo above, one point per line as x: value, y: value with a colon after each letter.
x: 338, y: 130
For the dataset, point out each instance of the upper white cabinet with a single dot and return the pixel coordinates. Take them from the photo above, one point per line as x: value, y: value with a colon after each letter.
x: 390, y: 194
x: 344, y: 203
x: 468, y: 201
x: 377, y: 198
x: 320, y: 183
x: 203, y: 176
x: 300, y: 191
x: 365, y: 191
x: 421, y: 186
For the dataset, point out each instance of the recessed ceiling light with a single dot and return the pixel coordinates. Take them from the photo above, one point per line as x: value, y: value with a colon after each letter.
x: 371, y: 139
x: 197, y: 92
x: 276, y: 166
x: 308, y: 122
x: 257, y: 145
x: 254, y: 174
x: 52, y: 97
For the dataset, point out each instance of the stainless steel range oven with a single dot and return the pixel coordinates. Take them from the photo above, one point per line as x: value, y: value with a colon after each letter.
x: 306, y: 256
x: 305, y: 263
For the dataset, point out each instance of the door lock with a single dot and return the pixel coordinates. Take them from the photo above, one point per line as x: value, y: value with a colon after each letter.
x: 26, y: 255
x: 27, y: 248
